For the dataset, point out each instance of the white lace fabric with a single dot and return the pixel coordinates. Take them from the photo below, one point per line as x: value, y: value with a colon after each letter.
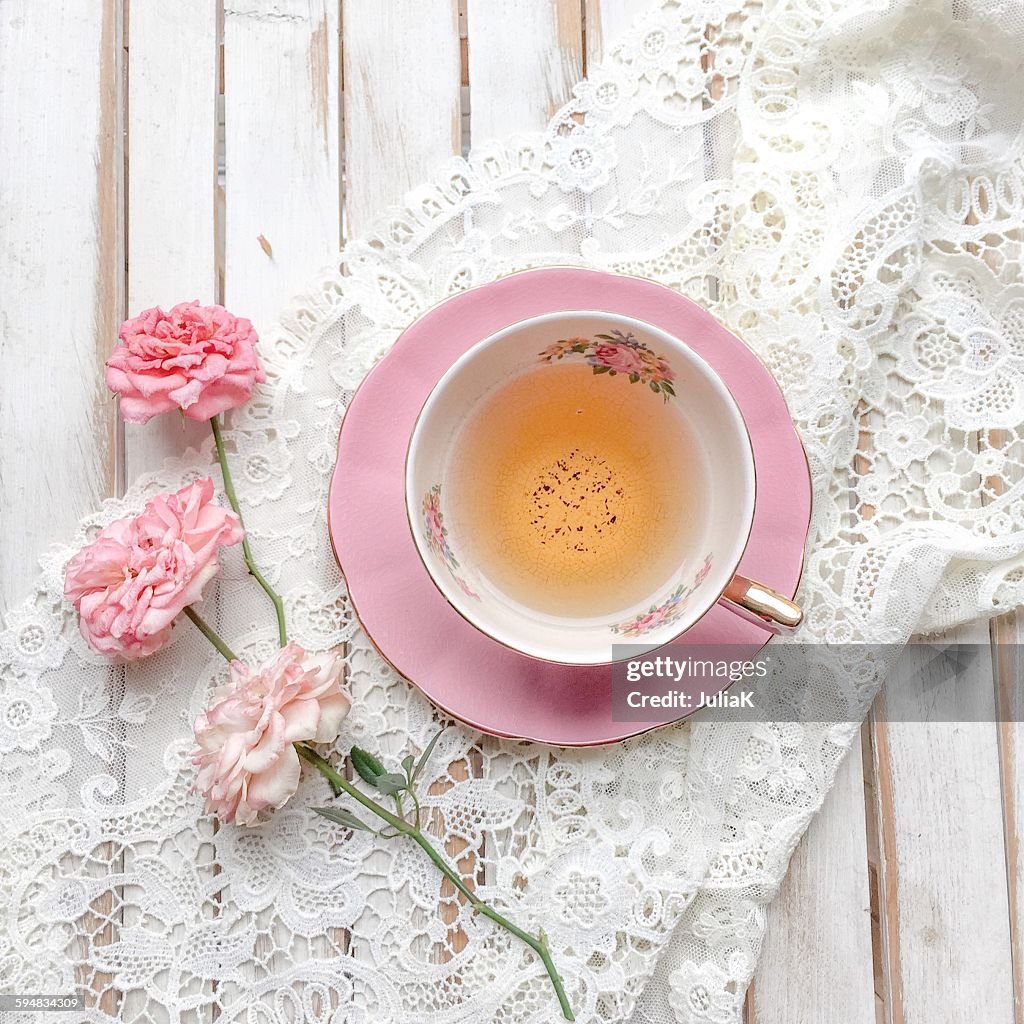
x: 841, y: 184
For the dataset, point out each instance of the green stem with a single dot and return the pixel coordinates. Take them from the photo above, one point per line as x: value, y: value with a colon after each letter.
x: 210, y: 635
x: 341, y: 785
x: 229, y: 490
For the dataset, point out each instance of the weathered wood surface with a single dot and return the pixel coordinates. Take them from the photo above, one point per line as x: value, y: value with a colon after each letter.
x: 904, y: 901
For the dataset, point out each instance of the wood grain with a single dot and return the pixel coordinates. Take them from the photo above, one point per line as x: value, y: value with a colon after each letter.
x: 822, y: 917
x: 1007, y: 634
x: 402, y: 76
x: 282, y: 198
x: 945, y: 916
x: 172, y: 183
x: 62, y: 281
x: 61, y: 247
x: 524, y: 58
x: 282, y: 150
x: 172, y: 257
x: 402, y: 102
x: 605, y: 22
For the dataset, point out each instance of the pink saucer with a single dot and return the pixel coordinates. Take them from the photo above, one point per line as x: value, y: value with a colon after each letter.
x: 462, y: 671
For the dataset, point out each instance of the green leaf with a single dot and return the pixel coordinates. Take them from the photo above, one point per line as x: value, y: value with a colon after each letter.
x: 425, y: 756
x: 665, y: 386
x: 407, y: 762
x: 390, y: 783
x: 367, y: 766
x: 342, y: 817
x: 602, y: 369
x: 611, y: 373
x: 604, y: 337
x: 654, y: 387
x: 634, y: 378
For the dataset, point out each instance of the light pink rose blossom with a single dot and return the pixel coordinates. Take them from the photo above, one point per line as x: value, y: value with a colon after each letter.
x: 620, y: 358
x: 199, y: 359
x: 244, y: 739
x: 137, y: 576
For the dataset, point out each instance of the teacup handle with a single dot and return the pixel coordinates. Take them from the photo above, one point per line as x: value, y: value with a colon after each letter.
x: 761, y: 605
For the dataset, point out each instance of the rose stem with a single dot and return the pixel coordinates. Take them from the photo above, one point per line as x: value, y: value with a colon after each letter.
x: 210, y: 635
x: 340, y: 784
x: 537, y: 944
x: 229, y: 490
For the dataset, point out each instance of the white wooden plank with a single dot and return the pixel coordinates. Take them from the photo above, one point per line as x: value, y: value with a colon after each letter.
x: 606, y: 22
x: 821, y: 917
x: 524, y: 58
x: 172, y: 257
x: 172, y: 179
x: 62, y: 282
x: 945, y: 915
x: 61, y: 244
x: 1008, y: 639
x: 282, y: 202
x: 402, y: 104
x: 402, y: 119
x: 828, y: 881
x: 281, y: 97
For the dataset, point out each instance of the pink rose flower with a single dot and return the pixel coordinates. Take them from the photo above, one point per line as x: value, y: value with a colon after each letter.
x: 244, y: 750
x: 137, y: 576
x: 199, y: 359
x: 620, y: 358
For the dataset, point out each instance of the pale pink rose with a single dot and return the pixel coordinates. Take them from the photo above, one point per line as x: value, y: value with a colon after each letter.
x: 199, y: 359
x: 620, y: 358
x: 244, y: 750
x: 132, y: 581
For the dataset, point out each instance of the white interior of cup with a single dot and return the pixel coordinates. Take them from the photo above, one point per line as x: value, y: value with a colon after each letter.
x: 699, y: 412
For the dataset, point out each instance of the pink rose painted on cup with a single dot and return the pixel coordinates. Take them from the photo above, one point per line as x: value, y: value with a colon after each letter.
x: 645, y: 623
x: 140, y: 573
x: 668, y: 611
x: 244, y: 740
x: 560, y: 348
x: 618, y: 353
x: 198, y: 359
x: 435, y: 523
x: 436, y: 535
x: 702, y: 572
x: 620, y: 358
x: 437, y: 532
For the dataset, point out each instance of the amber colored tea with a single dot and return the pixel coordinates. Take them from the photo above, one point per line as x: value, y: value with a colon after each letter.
x: 569, y: 495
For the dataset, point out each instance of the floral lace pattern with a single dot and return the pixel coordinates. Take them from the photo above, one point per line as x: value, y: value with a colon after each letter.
x: 842, y: 185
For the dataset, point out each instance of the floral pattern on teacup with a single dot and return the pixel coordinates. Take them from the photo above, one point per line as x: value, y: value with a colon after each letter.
x: 436, y: 535
x: 617, y: 353
x: 668, y: 611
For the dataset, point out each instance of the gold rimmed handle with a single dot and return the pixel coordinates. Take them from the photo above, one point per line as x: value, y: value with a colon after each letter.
x: 761, y: 605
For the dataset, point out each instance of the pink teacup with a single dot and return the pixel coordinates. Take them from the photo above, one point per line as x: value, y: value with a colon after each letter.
x: 691, y: 406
